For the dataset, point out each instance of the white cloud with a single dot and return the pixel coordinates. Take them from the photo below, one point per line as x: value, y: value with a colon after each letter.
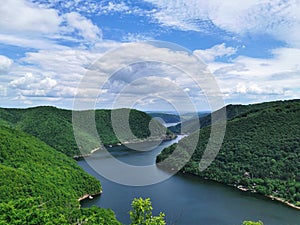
x: 150, y: 71
x: 34, y: 85
x: 244, y: 76
x: 116, y: 7
x: 56, y: 74
x: 70, y: 62
x: 260, y: 78
x: 25, y: 17
x: 180, y: 13
x: 5, y: 63
x: 25, y: 24
x: 51, y: 73
x: 90, y: 6
x: 278, y: 18
x: 29, y: 42
x: 209, y: 55
x: 85, y: 27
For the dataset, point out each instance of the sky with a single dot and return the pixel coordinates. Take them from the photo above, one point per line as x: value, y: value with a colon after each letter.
x: 148, y: 54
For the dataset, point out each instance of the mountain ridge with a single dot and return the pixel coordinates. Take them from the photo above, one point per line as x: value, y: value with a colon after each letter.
x: 54, y: 126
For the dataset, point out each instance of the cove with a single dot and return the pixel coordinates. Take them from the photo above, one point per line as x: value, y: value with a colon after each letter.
x: 186, y: 199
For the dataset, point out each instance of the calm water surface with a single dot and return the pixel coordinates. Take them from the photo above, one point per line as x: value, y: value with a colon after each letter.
x: 185, y: 199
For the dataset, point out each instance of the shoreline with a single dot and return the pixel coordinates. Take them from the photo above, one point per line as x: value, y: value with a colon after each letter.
x: 79, y: 157
x: 244, y: 189
x: 283, y: 201
x: 88, y: 195
x: 271, y: 197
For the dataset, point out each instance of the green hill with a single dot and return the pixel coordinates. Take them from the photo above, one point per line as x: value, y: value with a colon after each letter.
x: 40, y: 185
x: 260, y: 151
x: 204, y: 120
x: 54, y: 127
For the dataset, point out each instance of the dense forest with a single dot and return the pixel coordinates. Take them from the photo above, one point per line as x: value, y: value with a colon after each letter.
x: 204, y: 119
x: 260, y: 151
x: 40, y: 185
x: 54, y: 127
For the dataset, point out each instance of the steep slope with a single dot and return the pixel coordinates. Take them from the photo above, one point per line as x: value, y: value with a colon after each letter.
x: 40, y: 185
x: 39, y: 170
x: 260, y: 151
x: 54, y: 126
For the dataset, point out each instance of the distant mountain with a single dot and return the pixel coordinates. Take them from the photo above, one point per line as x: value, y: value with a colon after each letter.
x: 167, y: 118
x: 260, y: 151
x: 40, y: 185
x: 54, y: 127
x: 175, y: 118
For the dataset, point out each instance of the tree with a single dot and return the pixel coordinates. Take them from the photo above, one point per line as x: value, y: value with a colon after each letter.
x: 252, y: 223
x: 141, y: 213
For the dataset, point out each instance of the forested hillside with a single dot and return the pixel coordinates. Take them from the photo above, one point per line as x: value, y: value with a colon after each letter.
x: 260, y: 151
x: 204, y: 120
x: 39, y: 184
x: 54, y: 126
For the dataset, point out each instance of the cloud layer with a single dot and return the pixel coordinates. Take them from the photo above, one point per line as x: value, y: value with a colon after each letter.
x: 278, y: 18
x: 60, y: 41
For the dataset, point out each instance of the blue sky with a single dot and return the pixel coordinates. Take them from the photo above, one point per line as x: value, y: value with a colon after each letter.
x: 251, y: 49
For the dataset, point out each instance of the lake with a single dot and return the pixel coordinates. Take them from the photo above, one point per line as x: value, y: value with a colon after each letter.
x: 185, y: 199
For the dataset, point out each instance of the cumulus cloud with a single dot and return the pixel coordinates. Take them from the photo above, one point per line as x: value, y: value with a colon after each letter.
x: 132, y: 72
x: 85, y: 27
x: 23, y: 16
x: 52, y: 73
x: 5, y: 63
x: 146, y: 71
x: 69, y: 61
x: 25, y: 24
x: 34, y: 85
x: 209, y: 55
x: 260, y: 78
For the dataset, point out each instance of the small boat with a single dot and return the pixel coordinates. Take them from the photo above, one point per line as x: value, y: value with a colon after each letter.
x: 91, y: 197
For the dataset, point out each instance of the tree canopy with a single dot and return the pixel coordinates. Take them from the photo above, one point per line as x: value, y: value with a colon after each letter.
x: 260, y: 151
x: 141, y: 213
x: 40, y: 185
x: 54, y: 127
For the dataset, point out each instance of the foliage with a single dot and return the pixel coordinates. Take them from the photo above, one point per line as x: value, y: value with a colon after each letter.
x: 32, y: 212
x: 141, y: 213
x: 54, y: 127
x: 252, y: 223
x: 260, y: 151
x: 232, y: 111
x: 40, y: 185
